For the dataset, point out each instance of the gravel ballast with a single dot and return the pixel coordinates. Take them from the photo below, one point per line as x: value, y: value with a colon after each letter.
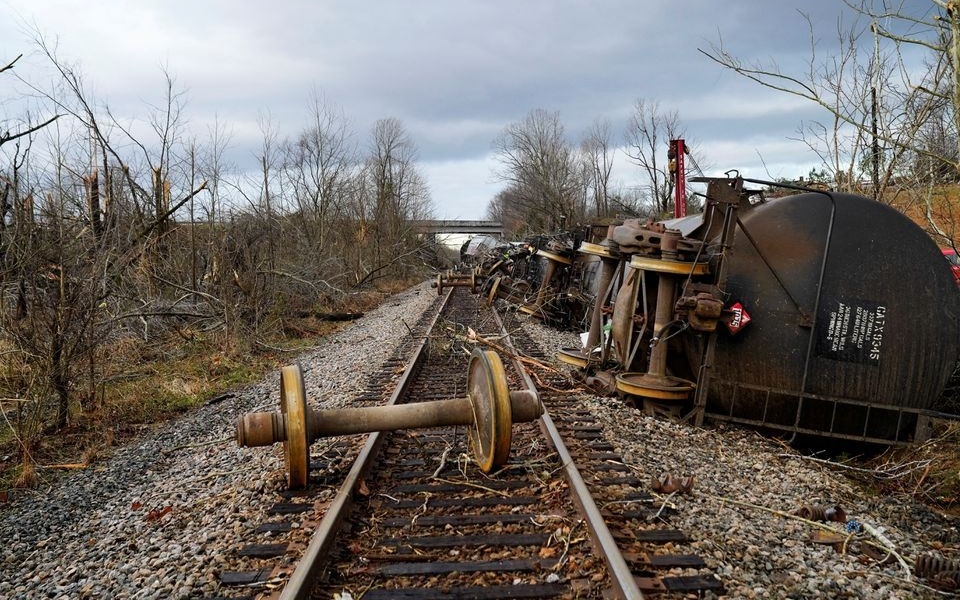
x: 162, y: 516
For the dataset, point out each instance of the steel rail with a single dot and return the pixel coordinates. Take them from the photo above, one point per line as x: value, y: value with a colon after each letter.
x: 300, y: 584
x: 624, y: 583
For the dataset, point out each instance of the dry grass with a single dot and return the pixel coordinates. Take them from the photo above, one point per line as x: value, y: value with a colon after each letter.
x: 27, y: 475
x: 140, y: 384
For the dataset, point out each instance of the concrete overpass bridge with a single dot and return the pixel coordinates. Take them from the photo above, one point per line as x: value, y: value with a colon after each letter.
x: 494, y: 228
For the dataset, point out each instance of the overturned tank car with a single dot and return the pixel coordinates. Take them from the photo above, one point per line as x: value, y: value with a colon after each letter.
x: 818, y: 313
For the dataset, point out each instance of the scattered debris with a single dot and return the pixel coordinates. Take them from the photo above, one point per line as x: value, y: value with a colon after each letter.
x: 815, y: 512
x: 668, y: 484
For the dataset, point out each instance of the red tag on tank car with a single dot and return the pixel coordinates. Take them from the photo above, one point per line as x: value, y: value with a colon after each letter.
x: 739, y: 318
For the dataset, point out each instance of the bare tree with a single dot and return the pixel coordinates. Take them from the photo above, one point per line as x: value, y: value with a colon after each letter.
x: 399, y: 193
x: 99, y: 250
x: 400, y: 189
x: 648, y: 136
x: 542, y: 170
x: 215, y: 167
x: 319, y: 166
x: 28, y: 128
x: 507, y: 208
x: 66, y: 261
x: 876, y: 102
x: 597, y: 153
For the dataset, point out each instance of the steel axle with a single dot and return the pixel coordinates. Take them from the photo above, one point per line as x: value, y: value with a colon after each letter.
x: 489, y: 408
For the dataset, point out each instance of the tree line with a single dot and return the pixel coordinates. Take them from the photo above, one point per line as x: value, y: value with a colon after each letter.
x: 114, y: 232
x: 888, y: 89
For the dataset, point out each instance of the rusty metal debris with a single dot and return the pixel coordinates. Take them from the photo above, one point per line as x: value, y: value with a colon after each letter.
x: 815, y: 512
x: 603, y: 383
x: 882, y: 557
x: 929, y: 564
x: 665, y: 299
x: 828, y: 538
x: 941, y: 573
x: 946, y: 580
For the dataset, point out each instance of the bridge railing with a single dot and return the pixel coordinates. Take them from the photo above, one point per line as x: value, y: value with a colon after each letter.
x: 457, y: 226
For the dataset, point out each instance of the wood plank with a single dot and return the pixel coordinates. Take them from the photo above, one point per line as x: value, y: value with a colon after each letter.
x: 443, y: 520
x: 273, y: 528
x: 605, y: 456
x: 289, y: 508
x: 449, y: 471
x: 294, y: 494
x: 607, y: 467
x: 263, y: 550
x: 664, y: 561
x: 669, y: 561
x: 459, y: 541
x: 691, y: 583
x: 636, y: 495
x: 485, y: 566
x: 244, y: 577
x: 460, y: 502
x: 639, y: 515
x: 628, y: 480
x: 415, y: 488
x: 660, y: 536
x: 601, y: 446
x: 650, y: 585
x: 496, y: 592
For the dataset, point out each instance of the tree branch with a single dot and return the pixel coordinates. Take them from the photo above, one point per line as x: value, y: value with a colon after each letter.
x: 9, y: 137
x: 11, y: 63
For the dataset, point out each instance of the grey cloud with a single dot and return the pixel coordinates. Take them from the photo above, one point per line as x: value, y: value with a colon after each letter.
x: 455, y: 72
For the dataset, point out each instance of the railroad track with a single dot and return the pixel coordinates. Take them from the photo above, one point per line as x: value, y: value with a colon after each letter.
x: 414, y: 515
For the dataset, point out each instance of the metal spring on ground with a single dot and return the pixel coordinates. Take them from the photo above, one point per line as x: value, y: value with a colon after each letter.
x: 948, y: 581
x: 815, y: 512
x: 928, y: 564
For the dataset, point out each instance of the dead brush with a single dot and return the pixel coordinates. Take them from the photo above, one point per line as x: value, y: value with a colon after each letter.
x: 27, y: 478
x: 928, y: 472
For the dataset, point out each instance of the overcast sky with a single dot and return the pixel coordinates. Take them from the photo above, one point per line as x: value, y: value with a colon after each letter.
x: 455, y: 72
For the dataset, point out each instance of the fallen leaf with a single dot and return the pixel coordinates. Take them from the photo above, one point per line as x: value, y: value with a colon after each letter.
x: 548, y: 552
x: 154, y: 515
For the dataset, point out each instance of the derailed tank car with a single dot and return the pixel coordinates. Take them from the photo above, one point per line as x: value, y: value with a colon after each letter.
x: 855, y: 319
x: 819, y: 313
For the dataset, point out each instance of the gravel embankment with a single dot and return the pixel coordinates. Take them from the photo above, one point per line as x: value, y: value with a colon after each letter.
x: 741, y: 478
x: 161, y: 516
x: 106, y: 532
